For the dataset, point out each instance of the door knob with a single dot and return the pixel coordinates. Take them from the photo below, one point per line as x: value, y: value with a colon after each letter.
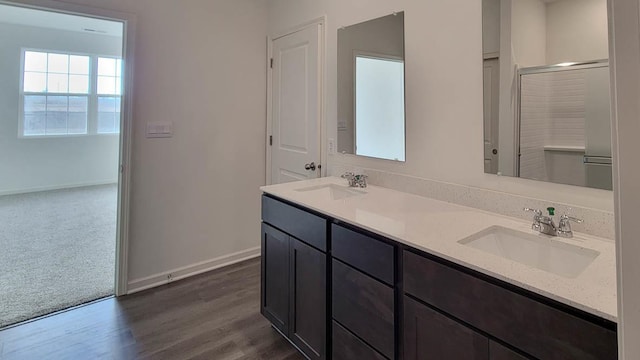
x: 310, y: 166
x: 495, y: 151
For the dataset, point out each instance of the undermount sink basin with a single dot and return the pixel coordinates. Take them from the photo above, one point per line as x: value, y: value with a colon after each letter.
x: 332, y: 191
x: 539, y: 251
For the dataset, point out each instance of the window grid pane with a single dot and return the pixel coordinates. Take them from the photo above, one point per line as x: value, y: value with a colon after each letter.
x: 57, y: 114
x: 107, y: 66
x: 35, y: 115
x: 79, y: 65
x: 35, y: 61
x: 78, y: 84
x: 58, y: 83
x: 78, y: 106
x: 58, y: 63
x: 106, y: 85
x: 108, y: 115
x: 35, y: 82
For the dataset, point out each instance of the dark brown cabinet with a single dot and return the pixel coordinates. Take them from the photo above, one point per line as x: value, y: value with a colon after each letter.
x: 388, y: 300
x: 294, y: 277
x: 430, y: 335
x: 532, y: 325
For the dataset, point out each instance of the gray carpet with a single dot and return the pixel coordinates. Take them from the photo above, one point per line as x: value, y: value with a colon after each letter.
x: 57, y: 250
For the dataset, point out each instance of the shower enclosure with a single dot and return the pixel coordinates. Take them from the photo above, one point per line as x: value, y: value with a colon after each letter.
x: 564, y: 127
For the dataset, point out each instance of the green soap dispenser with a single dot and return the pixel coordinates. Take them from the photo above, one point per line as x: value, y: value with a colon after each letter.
x: 551, y: 210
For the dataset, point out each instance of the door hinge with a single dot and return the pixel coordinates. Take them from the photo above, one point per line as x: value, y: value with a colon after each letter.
x: 271, y: 63
x: 121, y: 169
x: 270, y: 140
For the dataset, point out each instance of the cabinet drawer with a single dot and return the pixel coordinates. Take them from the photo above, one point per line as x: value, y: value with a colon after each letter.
x: 499, y: 352
x: 298, y: 223
x: 364, y: 306
x: 430, y: 335
x: 364, y: 253
x: 536, y: 328
x: 347, y: 346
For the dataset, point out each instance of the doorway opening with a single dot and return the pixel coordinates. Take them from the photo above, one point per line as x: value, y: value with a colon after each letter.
x: 62, y: 81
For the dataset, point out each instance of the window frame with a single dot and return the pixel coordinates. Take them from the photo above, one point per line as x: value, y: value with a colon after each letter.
x: 92, y: 95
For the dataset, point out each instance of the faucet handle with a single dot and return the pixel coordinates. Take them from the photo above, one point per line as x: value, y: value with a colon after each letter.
x: 564, y: 227
x: 347, y: 175
x: 536, y: 218
x: 536, y: 211
x: 568, y: 218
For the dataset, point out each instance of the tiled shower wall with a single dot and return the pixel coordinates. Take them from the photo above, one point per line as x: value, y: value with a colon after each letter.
x: 534, y: 122
x: 553, y: 115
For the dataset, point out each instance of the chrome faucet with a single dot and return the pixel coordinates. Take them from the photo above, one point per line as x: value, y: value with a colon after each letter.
x: 564, y: 227
x: 545, y: 224
x: 355, y: 180
x: 537, y: 214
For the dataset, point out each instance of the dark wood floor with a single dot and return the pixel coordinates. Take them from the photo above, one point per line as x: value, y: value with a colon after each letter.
x: 210, y: 316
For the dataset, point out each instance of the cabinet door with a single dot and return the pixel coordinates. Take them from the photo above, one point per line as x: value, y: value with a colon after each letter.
x: 429, y: 335
x: 275, y: 277
x: 308, y: 314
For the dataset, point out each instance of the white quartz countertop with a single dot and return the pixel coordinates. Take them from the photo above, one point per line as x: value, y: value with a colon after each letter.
x: 436, y: 227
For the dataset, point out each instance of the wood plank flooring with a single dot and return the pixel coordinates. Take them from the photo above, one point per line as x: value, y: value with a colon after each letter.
x: 210, y: 316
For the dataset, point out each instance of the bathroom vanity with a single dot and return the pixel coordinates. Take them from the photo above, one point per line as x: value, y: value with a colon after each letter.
x: 381, y: 274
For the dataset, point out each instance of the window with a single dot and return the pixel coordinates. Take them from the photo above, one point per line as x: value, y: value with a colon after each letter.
x: 61, y: 95
x: 379, y: 107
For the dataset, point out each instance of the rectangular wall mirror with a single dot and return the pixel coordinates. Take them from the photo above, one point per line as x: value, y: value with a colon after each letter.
x: 371, y: 103
x: 546, y: 91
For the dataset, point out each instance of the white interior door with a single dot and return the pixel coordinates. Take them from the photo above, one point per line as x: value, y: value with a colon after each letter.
x: 491, y: 117
x: 296, y: 106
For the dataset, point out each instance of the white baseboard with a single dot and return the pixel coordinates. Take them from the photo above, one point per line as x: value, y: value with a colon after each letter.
x: 56, y: 187
x: 166, y: 277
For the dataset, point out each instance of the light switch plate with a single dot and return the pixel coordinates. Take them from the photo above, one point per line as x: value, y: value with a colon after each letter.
x: 159, y: 129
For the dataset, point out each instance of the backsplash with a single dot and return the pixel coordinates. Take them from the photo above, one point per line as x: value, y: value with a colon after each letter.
x: 596, y: 222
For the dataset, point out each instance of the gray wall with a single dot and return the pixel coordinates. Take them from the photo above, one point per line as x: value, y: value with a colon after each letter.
x: 30, y: 164
x: 195, y: 197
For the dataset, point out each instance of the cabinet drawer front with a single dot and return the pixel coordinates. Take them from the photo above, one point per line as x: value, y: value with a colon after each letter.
x: 364, y: 306
x: 499, y: 352
x: 364, y: 253
x: 347, y: 346
x: 300, y: 224
x: 534, y: 327
x: 430, y: 335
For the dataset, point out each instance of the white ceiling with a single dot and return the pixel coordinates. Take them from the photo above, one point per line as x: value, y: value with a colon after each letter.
x: 53, y: 20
